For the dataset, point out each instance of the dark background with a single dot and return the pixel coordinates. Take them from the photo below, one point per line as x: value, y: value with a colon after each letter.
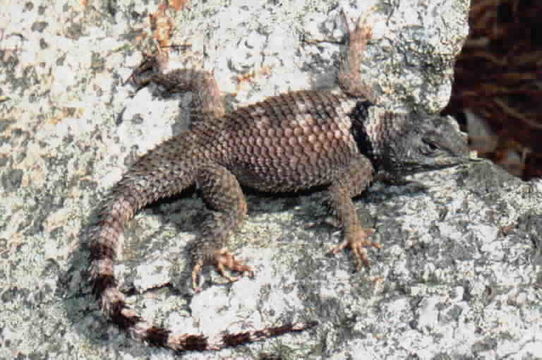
x: 498, y: 84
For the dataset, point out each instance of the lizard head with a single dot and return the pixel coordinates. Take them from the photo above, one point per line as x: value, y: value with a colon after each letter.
x: 424, y: 143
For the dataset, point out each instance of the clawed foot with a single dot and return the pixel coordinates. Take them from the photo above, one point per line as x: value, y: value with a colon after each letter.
x: 142, y: 75
x: 225, y: 262
x: 357, y: 241
x: 362, y: 33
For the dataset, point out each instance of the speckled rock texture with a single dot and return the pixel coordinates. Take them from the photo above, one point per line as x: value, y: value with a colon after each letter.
x: 458, y: 277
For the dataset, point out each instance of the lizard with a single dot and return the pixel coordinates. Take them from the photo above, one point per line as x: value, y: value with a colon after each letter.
x: 294, y: 141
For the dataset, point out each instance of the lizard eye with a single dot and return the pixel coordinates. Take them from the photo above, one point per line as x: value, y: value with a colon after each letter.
x: 428, y: 147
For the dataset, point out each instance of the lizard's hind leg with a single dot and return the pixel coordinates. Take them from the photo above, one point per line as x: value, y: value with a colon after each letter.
x: 225, y: 200
x: 206, y: 103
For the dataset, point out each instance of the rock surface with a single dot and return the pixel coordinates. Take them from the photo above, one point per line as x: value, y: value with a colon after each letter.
x: 459, y: 275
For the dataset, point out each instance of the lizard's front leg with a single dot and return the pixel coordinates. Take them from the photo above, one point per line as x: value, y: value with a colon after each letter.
x: 349, y: 77
x: 350, y: 182
x: 225, y: 200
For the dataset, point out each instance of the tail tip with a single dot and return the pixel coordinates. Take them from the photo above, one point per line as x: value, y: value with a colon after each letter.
x: 301, y: 326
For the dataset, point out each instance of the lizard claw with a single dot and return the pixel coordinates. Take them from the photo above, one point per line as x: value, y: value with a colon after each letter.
x: 147, y: 64
x: 224, y: 261
x: 142, y: 74
x: 196, y: 276
x: 357, y: 241
x: 363, y: 26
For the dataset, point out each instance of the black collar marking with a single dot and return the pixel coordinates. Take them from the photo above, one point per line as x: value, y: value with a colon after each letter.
x: 359, y: 116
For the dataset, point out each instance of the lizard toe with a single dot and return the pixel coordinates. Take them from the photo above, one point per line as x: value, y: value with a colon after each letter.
x: 358, y: 242
x: 225, y: 262
x: 196, y: 276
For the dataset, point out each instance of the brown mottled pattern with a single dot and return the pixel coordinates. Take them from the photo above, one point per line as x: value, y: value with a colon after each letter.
x: 289, y: 142
x: 286, y: 143
x: 298, y: 140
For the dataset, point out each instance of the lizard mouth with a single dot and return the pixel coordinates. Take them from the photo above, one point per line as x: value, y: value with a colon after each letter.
x: 433, y: 164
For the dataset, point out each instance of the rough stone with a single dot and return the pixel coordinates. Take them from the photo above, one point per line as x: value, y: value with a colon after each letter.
x: 459, y: 272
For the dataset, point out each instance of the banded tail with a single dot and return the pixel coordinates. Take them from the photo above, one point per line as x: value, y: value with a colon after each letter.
x: 162, y: 172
